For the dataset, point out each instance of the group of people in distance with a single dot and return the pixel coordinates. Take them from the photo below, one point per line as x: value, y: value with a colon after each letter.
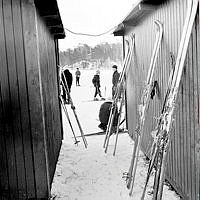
x: 104, y: 112
x: 67, y: 78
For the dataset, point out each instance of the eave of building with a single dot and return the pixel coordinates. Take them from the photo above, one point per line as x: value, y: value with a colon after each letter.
x: 139, y: 12
x: 49, y: 12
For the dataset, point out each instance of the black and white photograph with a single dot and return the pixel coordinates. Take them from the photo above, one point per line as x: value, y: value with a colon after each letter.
x: 99, y: 100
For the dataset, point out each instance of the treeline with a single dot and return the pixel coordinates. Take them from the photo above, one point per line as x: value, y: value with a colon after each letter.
x: 100, y: 53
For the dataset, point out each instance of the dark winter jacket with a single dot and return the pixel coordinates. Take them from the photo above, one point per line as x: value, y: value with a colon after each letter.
x: 96, y: 80
x: 115, y: 78
x: 104, y: 113
x: 78, y: 73
x: 66, y: 75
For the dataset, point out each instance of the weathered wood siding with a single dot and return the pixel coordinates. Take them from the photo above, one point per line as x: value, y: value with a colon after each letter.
x: 30, y: 124
x: 183, y: 161
x: 49, y: 81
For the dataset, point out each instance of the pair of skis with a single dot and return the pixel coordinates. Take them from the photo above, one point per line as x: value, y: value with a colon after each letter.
x: 74, y: 111
x: 156, y: 141
x: 119, y: 122
x: 142, y: 108
x: 161, y: 144
x: 118, y: 94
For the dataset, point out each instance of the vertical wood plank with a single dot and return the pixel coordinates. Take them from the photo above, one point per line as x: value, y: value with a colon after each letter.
x: 56, y: 113
x: 176, y: 34
x: 178, y: 138
x: 197, y: 134
x: 187, y: 127
x: 44, y: 73
x: 35, y: 99
x: 190, y: 115
x: 23, y: 98
x: 181, y: 107
x: 170, y: 42
x: 4, y: 170
x: 58, y: 84
x: 195, y: 70
x: 9, y: 98
x: 177, y: 114
x: 184, y: 123
x: 14, y: 84
x: 181, y: 126
x: 4, y: 184
x: 186, y: 120
x: 48, y: 71
x: 51, y: 82
x: 194, y: 92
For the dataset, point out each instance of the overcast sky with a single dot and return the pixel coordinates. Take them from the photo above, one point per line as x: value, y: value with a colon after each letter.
x: 93, y: 17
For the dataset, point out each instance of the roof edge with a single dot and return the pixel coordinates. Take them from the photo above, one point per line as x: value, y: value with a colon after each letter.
x: 140, y: 11
x: 49, y: 12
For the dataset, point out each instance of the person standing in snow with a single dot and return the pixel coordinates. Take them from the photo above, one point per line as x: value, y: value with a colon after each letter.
x: 96, y: 83
x: 115, y: 79
x: 67, y: 78
x: 78, y: 74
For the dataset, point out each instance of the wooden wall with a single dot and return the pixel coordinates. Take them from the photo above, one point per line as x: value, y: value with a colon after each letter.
x: 183, y: 161
x: 30, y: 123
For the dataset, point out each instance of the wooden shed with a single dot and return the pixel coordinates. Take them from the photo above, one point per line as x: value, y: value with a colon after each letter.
x: 183, y: 161
x: 30, y: 115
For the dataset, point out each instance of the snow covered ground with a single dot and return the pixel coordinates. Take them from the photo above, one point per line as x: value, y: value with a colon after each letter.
x: 90, y: 174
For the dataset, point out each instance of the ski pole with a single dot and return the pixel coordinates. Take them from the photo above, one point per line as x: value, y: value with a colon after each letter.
x: 74, y: 111
x: 67, y: 115
x: 79, y: 125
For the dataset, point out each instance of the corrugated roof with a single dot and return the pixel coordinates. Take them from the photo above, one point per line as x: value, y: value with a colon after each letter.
x: 48, y: 10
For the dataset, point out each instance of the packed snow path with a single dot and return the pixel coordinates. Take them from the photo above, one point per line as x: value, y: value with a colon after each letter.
x: 90, y: 174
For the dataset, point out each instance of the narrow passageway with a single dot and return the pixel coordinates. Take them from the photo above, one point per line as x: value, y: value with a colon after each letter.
x: 90, y: 174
